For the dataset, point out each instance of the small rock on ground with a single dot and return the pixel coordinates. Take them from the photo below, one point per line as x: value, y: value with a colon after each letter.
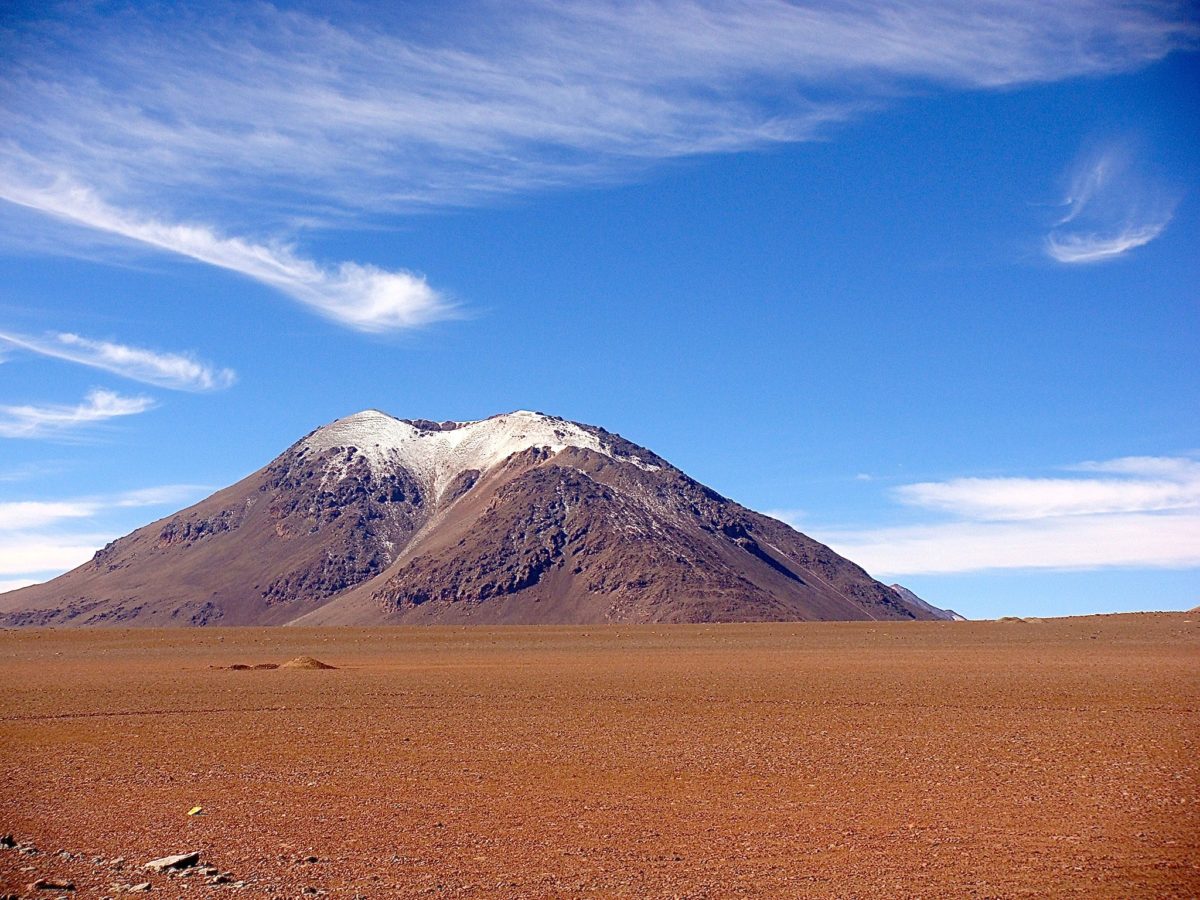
x: 177, y: 861
x: 45, y: 884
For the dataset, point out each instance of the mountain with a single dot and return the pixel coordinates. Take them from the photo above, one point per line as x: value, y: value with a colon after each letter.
x: 916, y: 602
x: 519, y: 518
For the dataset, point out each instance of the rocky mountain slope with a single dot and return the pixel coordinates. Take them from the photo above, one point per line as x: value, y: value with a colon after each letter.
x: 916, y: 602
x: 519, y: 518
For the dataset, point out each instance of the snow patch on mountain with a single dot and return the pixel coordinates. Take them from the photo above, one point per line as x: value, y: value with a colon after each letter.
x: 436, y: 456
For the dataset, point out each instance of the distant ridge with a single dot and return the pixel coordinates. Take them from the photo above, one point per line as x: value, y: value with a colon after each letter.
x: 517, y: 518
x: 916, y: 602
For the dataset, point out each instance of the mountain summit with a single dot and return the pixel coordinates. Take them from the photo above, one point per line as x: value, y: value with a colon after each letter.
x: 518, y: 518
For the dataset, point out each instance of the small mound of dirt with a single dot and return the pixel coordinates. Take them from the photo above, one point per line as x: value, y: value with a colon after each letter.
x: 306, y: 662
x: 239, y: 667
x: 266, y: 665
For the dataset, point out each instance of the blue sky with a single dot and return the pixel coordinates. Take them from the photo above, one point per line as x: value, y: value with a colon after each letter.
x: 920, y: 278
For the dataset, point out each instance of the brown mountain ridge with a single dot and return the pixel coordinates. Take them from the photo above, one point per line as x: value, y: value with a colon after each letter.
x: 521, y: 518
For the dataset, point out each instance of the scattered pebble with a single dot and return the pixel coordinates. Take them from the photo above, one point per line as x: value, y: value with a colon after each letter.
x: 45, y: 884
x: 176, y: 862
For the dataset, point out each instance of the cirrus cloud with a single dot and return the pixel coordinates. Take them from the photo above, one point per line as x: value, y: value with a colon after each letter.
x: 1131, y: 511
x: 42, y: 538
x: 30, y: 558
x: 21, y: 515
x: 178, y: 371
x: 1151, y: 484
x: 268, y: 102
x: 29, y: 421
x: 360, y: 296
x: 187, y: 130
x: 1112, y: 207
x: 1169, y: 541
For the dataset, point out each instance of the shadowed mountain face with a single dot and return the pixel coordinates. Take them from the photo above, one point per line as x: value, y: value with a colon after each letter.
x: 520, y: 518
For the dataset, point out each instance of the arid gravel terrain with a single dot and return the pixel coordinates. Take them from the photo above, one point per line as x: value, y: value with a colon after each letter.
x: 964, y: 759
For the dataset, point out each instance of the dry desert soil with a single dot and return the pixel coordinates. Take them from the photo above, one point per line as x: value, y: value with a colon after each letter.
x: 960, y: 759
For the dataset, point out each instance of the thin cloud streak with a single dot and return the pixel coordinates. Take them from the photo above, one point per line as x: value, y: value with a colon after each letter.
x: 40, y: 539
x: 30, y: 471
x: 247, y: 120
x: 57, y: 419
x: 29, y: 555
x: 1079, y: 542
x: 1089, y: 248
x: 362, y: 297
x: 1131, y: 511
x: 1111, y: 208
x: 20, y: 515
x: 791, y: 517
x: 176, y: 371
x: 1177, y: 468
x: 252, y: 109
x: 1177, y: 487
x: 24, y: 514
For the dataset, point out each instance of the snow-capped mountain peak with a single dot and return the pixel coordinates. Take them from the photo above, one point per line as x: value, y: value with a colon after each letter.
x: 375, y: 519
x: 436, y: 453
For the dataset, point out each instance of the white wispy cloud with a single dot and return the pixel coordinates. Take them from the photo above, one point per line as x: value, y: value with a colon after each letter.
x: 57, y: 419
x: 1079, y: 542
x: 34, y: 557
x: 1132, y: 511
x: 379, y: 113
x: 31, y: 470
x: 168, y: 494
x: 1157, y: 485
x: 792, y: 517
x: 178, y: 371
x: 36, y: 513
x: 1112, y: 207
x: 181, y: 130
x: 40, y: 539
x: 1175, y: 468
x: 1094, y: 247
x: 21, y: 515
x: 360, y: 296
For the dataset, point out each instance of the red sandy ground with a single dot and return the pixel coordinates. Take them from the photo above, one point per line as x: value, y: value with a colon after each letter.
x: 993, y: 759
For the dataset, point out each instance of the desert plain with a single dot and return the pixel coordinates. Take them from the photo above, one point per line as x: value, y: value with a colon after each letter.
x: 938, y: 759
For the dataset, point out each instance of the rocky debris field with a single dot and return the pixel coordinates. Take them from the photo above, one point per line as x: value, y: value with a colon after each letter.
x: 933, y: 759
x: 104, y: 877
